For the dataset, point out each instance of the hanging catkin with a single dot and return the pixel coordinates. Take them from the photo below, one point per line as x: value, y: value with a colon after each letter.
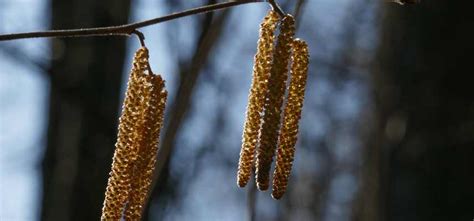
x: 119, y: 183
x: 137, y: 142
x: 151, y: 122
x: 292, y: 115
x: 258, y: 90
x: 269, y: 131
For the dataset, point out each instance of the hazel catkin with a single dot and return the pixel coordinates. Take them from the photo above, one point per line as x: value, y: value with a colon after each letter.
x: 150, y: 126
x: 137, y: 142
x: 119, y: 183
x: 269, y: 130
x: 261, y: 73
x: 292, y: 115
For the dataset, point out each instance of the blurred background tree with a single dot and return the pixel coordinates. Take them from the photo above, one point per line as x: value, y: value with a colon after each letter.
x: 386, y: 134
x: 418, y: 161
x: 85, y: 80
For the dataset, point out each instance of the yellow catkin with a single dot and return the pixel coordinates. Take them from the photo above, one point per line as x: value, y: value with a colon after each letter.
x: 137, y: 142
x: 261, y: 74
x: 151, y: 122
x: 269, y: 131
x: 292, y: 115
x: 119, y: 183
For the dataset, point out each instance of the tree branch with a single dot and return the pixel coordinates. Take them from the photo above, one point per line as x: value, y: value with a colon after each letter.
x: 128, y: 29
x: 276, y: 8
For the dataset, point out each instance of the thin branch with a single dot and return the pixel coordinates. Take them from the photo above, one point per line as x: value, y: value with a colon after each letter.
x: 298, y: 11
x: 277, y: 8
x: 18, y: 55
x: 128, y: 29
x: 141, y: 37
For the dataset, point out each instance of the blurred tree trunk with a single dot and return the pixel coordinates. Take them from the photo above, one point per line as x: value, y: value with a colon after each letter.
x: 85, y: 85
x: 418, y: 164
x: 211, y: 29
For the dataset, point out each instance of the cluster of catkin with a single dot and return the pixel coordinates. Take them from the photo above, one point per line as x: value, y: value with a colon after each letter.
x: 137, y: 143
x: 271, y: 125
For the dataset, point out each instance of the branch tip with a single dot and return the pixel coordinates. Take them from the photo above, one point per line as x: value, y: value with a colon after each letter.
x: 276, y: 7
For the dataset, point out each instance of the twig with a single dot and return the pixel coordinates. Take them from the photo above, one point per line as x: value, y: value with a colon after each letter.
x: 298, y: 11
x: 140, y: 36
x: 128, y: 29
x: 21, y: 56
x: 277, y: 8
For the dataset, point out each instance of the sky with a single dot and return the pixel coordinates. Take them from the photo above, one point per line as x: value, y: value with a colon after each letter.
x: 23, y: 100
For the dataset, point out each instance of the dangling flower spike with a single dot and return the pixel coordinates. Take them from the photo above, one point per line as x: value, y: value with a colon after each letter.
x: 137, y: 142
x: 270, y: 129
x: 292, y: 115
x: 258, y: 90
x: 264, y: 133
x: 154, y: 101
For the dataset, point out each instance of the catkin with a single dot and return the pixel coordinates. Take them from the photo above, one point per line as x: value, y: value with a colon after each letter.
x: 292, y: 115
x: 119, y: 183
x: 151, y: 123
x: 261, y: 73
x: 137, y: 142
x: 269, y: 131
